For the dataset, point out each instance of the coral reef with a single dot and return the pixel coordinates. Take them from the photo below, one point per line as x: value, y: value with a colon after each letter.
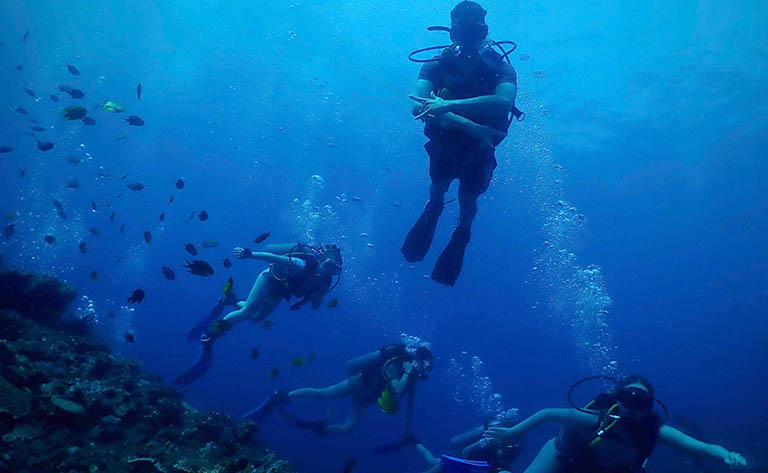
x: 67, y: 404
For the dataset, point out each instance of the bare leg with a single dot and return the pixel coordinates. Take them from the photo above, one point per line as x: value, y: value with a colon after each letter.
x: 546, y: 461
x: 428, y: 457
x: 260, y: 303
x: 356, y: 411
x: 336, y: 391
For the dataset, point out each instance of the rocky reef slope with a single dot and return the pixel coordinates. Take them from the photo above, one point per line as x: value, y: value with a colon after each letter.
x: 68, y: 405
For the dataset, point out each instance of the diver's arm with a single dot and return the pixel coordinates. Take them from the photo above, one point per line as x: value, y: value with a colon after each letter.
x: 502, y: 100
x: 423, y: 88
x: 245, y: 253
x: 469, y: 437
x: 565, y: 416
x: 683, y: 442
x: 400, y: 385
x: 475, y: 130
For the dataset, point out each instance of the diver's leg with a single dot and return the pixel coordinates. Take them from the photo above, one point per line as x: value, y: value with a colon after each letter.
x: 259, y: 291
x: 467, y: 208
x: 356, y: 411
x: 335, y: 391
x: 546, y: 461
x: 428, y: 457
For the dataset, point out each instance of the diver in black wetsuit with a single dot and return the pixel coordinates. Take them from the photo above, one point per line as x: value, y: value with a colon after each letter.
x: 615, y: 433
x: 465, y: 97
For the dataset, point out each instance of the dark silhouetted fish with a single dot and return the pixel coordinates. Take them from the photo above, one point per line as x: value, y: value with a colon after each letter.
x: 29, y: 92
x: 199, y: 267
x: 298, y: 361
x: 38, y: 129
x: 190, y: 249
x: 59, y: 209
x: 136, y: 186
x: 138, y: 91
x: 94, y: 209
x: 20, y: 110
x: 171, y: 200
x: 74, y: 161
x: 94, y: 231
x: 72, y: 92
x: 161, y: 217
x: 123, y: 176
x: 267, y: 324
x: 82, y: 247
x: 55, y: 98
x: 349, y: 464
x: 254, y: 353
x: 9, y: 229
x: 94, y: 275
x: 333, y: 303
x: 227, y: 263
x: 73, y: 70
x: 137, y: 296
x: 49, y: 239
x: 122, y: 229
x: 147, y: 237
x: 74, y: 113
x: 44, y: 145
x: 273, y: 373
x: 168, y: 273
x: 130, y: 338
x: 112, y: 217
x: 262, y: 237
x: 134, y: 120
x: 5, y: 149
x: 203, y: 216
x: 88, y: 121
x: 25, y: 37
x: 73, y: 184
x: 179, y: 183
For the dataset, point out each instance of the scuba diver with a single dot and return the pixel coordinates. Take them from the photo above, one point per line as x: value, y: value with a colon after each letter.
x: 615, y: 433
x: 296, y: 270
x: 384, y: 376
x: 465, y: 97
x: 475, y: 453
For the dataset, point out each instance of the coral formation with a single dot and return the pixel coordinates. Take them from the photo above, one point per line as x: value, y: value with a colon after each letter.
x: 67, y: 404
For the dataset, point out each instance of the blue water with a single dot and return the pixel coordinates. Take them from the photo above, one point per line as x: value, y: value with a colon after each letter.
x: 623, y: 231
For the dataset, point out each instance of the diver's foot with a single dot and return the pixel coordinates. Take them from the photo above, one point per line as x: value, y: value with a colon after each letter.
x: 419, y: 239
x: 448, y: 266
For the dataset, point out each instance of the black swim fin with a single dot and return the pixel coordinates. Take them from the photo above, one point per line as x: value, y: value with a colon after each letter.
x: 419, y: 239
x: 200, y: 366
x: 448, y: 265
x: 261, y: 413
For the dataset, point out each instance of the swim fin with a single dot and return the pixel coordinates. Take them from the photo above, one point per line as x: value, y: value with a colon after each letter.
x: 266, y: 408
x: 200, y: 365
x: 317, y: 426
x: 226, y: 299
x: 448, y: 265
x: 419, y: 239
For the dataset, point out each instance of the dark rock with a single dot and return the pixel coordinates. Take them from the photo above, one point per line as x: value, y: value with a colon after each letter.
x: 41, y: 298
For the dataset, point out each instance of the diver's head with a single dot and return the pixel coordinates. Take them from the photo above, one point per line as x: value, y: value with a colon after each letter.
x: 635, y: 397
x: 468, y: 28
x: 331, y: 260
x: 423, y: 361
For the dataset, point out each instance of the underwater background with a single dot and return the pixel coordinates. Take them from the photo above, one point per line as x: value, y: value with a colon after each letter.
x: 623, y: 232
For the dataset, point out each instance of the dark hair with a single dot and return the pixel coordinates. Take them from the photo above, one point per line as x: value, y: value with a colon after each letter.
x: 626, y: 381
x: 423, y: 353
x: 468, y: 11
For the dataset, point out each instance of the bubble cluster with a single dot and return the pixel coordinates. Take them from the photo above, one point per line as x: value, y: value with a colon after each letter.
x: 86, y: 311
x: 413, y: 343
x: 309, y: 219
x: 473, y: 388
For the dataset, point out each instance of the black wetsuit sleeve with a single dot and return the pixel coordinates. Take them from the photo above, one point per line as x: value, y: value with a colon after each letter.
x: 507, y: 74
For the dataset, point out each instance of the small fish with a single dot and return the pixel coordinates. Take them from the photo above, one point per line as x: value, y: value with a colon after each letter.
x: 21, y: 111
x: 38, y: 129
x: 273, y: 373
x: 147, y: 237
x: 190, y: 249
x: 5, y: 149
x: 311, y: 357
x: 72, y: 92
x: 133, y: 120
x: 168, y: 273
x: 171, y: 199
x: 333, y: 303
x: 298, y: 361
x: 230, y: 284
x: 94, y: 231
x: 130, y: 338
x: 26, y: 35
x: 349, y: 464
x: 111, y: 313
x: 199, y: 267
x: 73, y: 70
x: 88, y: 121
x: 209, y: 244
x: 138, y: 91
x: 44, y: 145
x: 9, y: 229
x: 122, y: 229
x: 112, y: 217
x: 49, y: 239
x: 94, y: 209
x: 74, y: 112
x: 136, y: 297
x: 29, y: 92
x: 227, y: 263
x: 267, y: 324
x: 161, y: 217
x: 118, y: 259
x: 123, y: 176
x: 254, y: 353
x: 262, y: 237
x: 119, y: 138
x: 82, y: 247
x: 55, y: 98
x: 111, y: 106
x: 94, y: 275
x: 59, y: 209
x: 73, y: 161
x: 179, y: 183
x: 33, y: 121
x: 203, y: 216
x: 73, y: 184
x: 136, y: 186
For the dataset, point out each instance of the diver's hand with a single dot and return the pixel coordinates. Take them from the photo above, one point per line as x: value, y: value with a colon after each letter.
x: 433, y: 106
x: 242, y: 253
x: 735, y: 461
x: 503, y: 435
